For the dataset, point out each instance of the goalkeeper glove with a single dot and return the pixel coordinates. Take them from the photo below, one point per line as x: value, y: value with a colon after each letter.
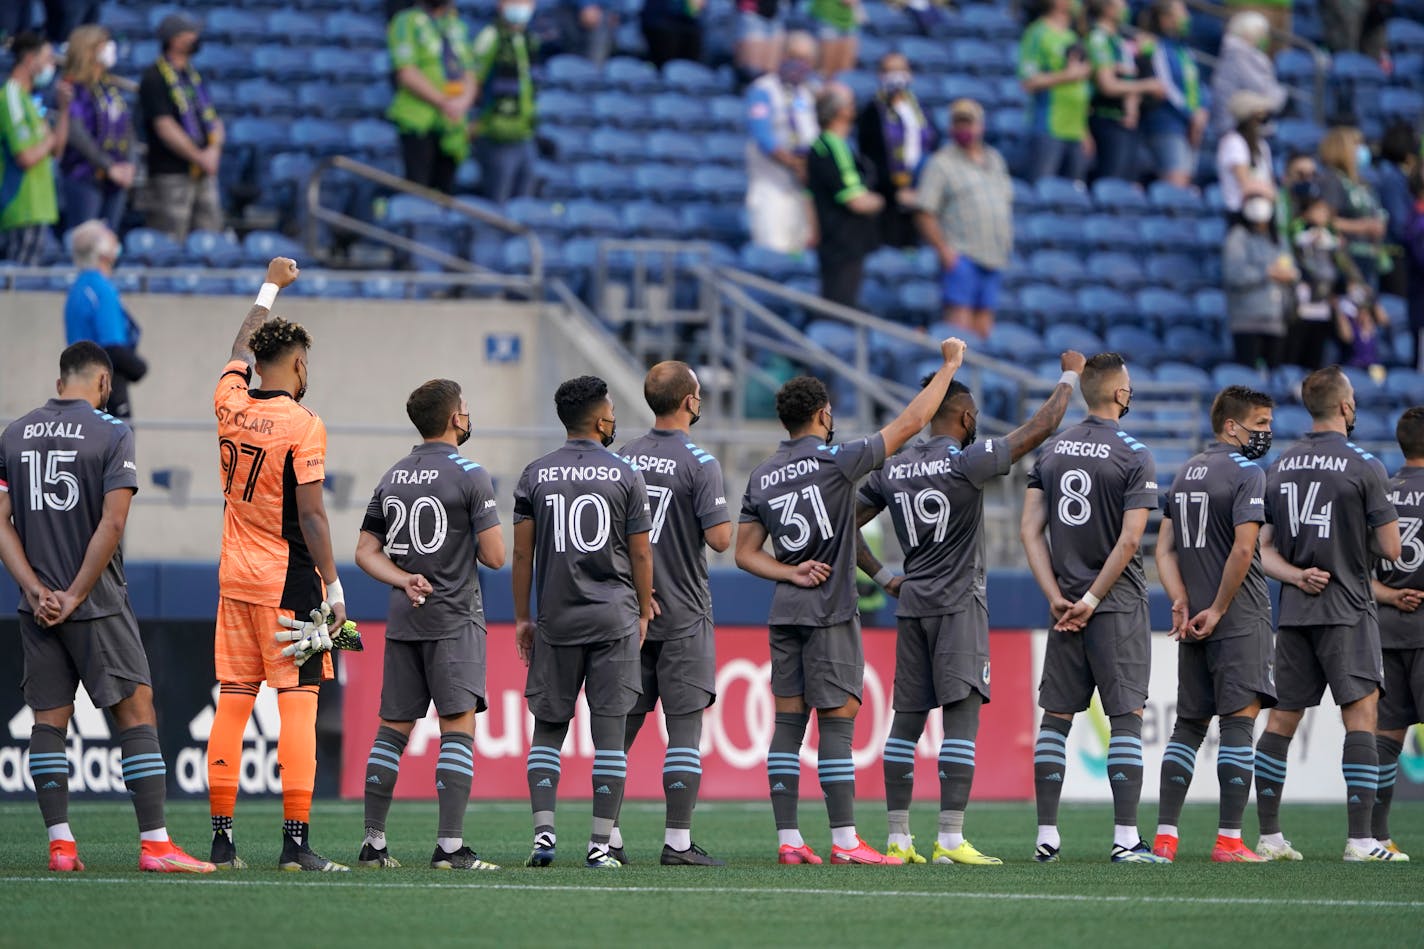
x: 348, y: 637
x: 306, y: 638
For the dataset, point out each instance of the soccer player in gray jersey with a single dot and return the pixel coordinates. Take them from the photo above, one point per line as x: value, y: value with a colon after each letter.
x: 934, y: 490
x: 1399, y: 590
x: 679, y: 667
x: 581, y: 528
x: 1092, y: 488
x: 1328, y: 518
x: 803, y: 499
x: 431, y: 520
x: 67, y: 477
x: 1209, y: 563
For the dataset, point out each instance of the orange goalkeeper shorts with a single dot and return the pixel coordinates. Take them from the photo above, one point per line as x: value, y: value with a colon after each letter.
x: 246, y: 649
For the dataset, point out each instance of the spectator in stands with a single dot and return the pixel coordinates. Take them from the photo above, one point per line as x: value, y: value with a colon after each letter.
x: 1117, y: 92
x: 1278, y: 18
x: 841, y: 185
x: 93, y: 311
x: 185, y: 135
x: 896, y: 138
x: 97, y: 169
x: 1257, y: 275
x: 1342, y: 24
x: 1243, y: 156
x: 586, y: 28
x: 28, y: 203
x: 435, y: 88
x: 673, y: 30
x: 966, y: 213
x: 781, y: 116
x: 1414, y: 263
x: 837, y: 24
x: 761, y: 31
x: 1300, y: 170
x: 504, y: 129
x: 1327, y: 277
x: 1054, y: 71
x: 1358, y: 215
x: 1399, y: 157
x: 1175, y: 122
x: 63, y: 17
x: 1244, y: 65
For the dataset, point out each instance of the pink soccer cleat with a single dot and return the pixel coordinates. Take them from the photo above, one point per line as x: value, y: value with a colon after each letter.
x: 862, y: 852
x: 164, y: 856
x: 793, y: 855
x: 64, y: 856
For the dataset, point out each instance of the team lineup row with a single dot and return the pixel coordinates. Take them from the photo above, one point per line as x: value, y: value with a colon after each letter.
x: 616, y: 543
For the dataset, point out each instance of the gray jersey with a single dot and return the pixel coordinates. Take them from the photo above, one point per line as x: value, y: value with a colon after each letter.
x: 1405, y: 630
x: 585, y: 502
x: 428, y: 511
x: 934, y: 491
x: 1324, y: 497
x: 57, y: 463
x: 804, y: 496
x: 1092, y: 474
x: 686, y: 495
x: 1217, y: 491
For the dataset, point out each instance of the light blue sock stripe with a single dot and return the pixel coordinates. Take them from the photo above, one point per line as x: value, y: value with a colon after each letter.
x: 899, y: 760
x: 685, y: 751
x: 135, y: 759
x: 837, y: 778
x: 49, y: 755
x: 450, y: 766
x: 48, y: 770
x: 1131, y: 740
x: 1049, y: 759
x: 1047, y: 734
x: 901, y: 742
x: 682, y: 770
x: 608, y: 773
x: 153, y: 773
x: 1126, y: 762
x: 962, y: 742
x: 389, y: 761
x: 774, y: 755
x: 948, y: 759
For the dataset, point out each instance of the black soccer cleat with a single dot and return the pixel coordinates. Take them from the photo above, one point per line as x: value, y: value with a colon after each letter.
x: 619, y: 854
x: 371, y: 858
x: 298, y: 856
x: 693, y: 856
x: 462, y: 859
x: 224, y: 853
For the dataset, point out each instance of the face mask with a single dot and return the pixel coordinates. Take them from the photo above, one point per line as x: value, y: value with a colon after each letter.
x: 897, y: 81
x: 197, y: 45
x: 970, y: 435
x: 794, y: 72
x: 109, y: 55
x: 1258, y: 443
x: 44, y: 77
x: 1125, y: 406
x: 963, y: 137
x: 301, y: 387
x: 518, y: 14
x: 696, y: 417
x: 830, y: 431
x: 1363, y: 158
x: 106, y: 391
x: 608, y: 439
x: 462, y: 435
x: 1350, y: 425
x: 1257, y: 209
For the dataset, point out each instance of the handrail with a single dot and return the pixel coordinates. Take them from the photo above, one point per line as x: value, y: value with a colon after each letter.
x: 10, y: 276
x: 318, y: 214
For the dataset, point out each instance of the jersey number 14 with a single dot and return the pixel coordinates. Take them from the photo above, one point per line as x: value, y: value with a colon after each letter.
x: 1303, y: 512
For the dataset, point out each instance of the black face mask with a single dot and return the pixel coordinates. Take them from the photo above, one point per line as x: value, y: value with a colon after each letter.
x: 1258, y: 443
x: 969, y: 435
x: 301, y: 390
x: 696, y: 417
x: 1350, y: 425
x: 197, y: 45
x: 608, y: 439
x: 462, y: 435
x: 1126, y: 407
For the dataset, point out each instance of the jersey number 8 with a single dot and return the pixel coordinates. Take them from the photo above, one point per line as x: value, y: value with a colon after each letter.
x: 1074, y: 507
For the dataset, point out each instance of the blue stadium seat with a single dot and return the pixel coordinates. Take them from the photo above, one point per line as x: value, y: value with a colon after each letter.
x: 1406, y: 386
x: 1172, y: 311
x: 296, y: 29
x: 767, y: 262
x: 618, y: 147
x: 352, y: 29
x: 646, y: 219
x: 1062, y: 336
x: 729, y: 112
x: 602, y: 180
x: 214, y: 249
x: 838, y: 338
x: 235, y: 26
x: 259, y: 247
x: 1042, y: 305
x: 1211, y: 234
x: 592, y: 217
x: 988, y: 22
x: 1404, y: 35
x: 325, y: 284
x: 340, y: 64
x: 1138, y: 345
x: 1058, y: 267
x: 1358, y: 70
x: 383, y: 288
x: 1367, y: 391
x: 1373, y: 427
x: 195, y: 282
x: 1112, y: 233
x: 1182, y: 373
x: 1064, y: 196
x: 283, y: 63
x: 890, y: 264
x: 633, y: 75
x: 1406, y: 105
x: 1016, y: 343
x: 1178, y: 202
x: 1289, y: 421
x: 267, y: 98
x: 151, y: 247
x: 536, y: 213
x: 1116, y: 269
x: 123, y: 23
x: 319, y: 136
x: 1192, y: 345
x: 1161, y: 233
x: 373, y: 137
x: 716, y: 222
x: 612, y: 110
x: 566, y: 71
x: 928, y: 56
x: 664, y: 182
x: 1109, y: 308
x: 1297, y: 135
x: 723, y: 148
x: 1119, y: 197
x: 692, y: 78
x: 1235, y: 374
x: 980, y: 59
x: 1409, y: 70
x: 1054, y: 230
x: 262, y: 134
x: 716, y: 183
x: 917, y: 302
x: 675, y: 147
x: 1295, y: 67
x: 671, y: 109
x: 1174, y: 270
x: 1209, y: 307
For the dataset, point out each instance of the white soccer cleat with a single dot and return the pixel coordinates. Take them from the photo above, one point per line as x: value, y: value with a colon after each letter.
x: 1371, y: 853
x: 1277, y: 851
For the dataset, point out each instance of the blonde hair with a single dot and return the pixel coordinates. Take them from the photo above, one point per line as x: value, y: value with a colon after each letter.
x: 1337, y: 150
x: 81, y: 62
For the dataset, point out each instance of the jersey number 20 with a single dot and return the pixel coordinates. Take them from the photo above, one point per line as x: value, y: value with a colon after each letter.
x: 397, y: 516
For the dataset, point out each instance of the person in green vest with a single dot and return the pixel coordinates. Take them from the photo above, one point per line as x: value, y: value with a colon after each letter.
x: 1117, y: 92
x: 28, y: 148
x: 434, y: 68
x: 504, y: 127
x: 1054, y: 71
x: 837, y: 26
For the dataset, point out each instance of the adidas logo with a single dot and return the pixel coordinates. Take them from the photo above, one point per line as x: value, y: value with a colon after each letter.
x: 778, y: 786
x: 373, y: 779
x: 1238, y: 781
x: 602, y: 789
x: 1354, y: 799
x: 677, y: 786
x: 1267, y: 792
x: 544, y: 783
x: 1120, y: 777
x: 220, y: 763
x: 911, y: 775
x: 49, y: 785
x: 439, y: 785
x: 1055, y: 776
x: 1176, y: 779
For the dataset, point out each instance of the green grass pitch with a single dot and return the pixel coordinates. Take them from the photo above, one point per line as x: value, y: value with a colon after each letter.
x: 1082, y: 901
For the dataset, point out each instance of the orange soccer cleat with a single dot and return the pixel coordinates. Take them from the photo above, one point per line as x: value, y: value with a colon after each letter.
x: 793, y: 855
x: 64, y: 856
x: 862, y: 852
x: 1234, y: 850
x: 1165, y: 846
x: 164, y: 856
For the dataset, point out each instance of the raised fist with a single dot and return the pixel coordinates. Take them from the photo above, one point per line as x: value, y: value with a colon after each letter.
x: 1074, y: 361
x: 953, y: 351
x: 282, y: 271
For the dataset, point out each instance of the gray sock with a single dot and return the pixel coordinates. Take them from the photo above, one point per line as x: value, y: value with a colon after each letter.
x: 1179, y: 763
x: 610, y: 773
x: 1389, y: 752
x: 382, y: 771
x: 633, y: 725
x: 898, y: 760
x: 1125, y: 767
x: 1271, y: 752
x: 783, y: 768
x: 145, y: 774
x: 1050, y: 765
x: 1235, y: 765
x: 1360, y: 762
x: 956, y: 754
x: 454, y: 773
x: 836, y: 769
x: 544, y: 769
x: 49, y: 769
x: 682, y: 768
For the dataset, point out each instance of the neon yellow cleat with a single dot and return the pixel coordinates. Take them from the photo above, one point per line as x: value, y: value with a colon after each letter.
x: 907, y: 854
x: 965, y: 853
x: 1392, y: 847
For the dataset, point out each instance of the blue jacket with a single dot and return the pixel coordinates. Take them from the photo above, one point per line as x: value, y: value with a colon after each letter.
x: 93, y: 312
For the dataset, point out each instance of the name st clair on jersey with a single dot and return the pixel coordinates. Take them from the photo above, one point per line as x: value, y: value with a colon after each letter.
x: 1313, y: 463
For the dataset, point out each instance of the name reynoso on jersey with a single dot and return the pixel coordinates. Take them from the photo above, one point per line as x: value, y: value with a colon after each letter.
x: 556, y: 473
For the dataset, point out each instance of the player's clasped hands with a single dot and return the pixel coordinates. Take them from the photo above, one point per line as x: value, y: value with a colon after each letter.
x: 417, y: 588
x: 1406, y: 601
x: 1313, y: 580
x: 811, y: 574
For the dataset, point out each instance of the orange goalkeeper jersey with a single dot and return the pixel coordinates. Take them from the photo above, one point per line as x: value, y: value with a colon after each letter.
x: 267, y: 445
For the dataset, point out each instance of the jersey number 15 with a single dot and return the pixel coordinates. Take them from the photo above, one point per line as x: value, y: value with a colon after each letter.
x: 49, y: 473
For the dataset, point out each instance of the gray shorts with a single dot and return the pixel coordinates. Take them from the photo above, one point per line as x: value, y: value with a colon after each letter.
x: 939, y: 660
x: 1112, y: 654
x: 824, y: 665
x: 106, y: 654
x: 1346, y: 658
x: 607, y: 671
x: 1222, y: 676
x: 1402, y: 704
x: 448, y: 672
x: 682, y: 672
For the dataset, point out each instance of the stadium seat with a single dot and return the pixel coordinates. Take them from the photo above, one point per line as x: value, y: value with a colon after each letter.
x: 1404, y: 35
x: 1170, y: 309
x: 1015, y: 343
x: 1180, y: 373
x: 1295, y: 67
x: 603, y: 181
x: 1209, y: 308
x: 1061, y: 336
x: 632, y: 75
x: 917, y: 302
x: 1118, y: 270
x: 235, y: 26
x: 571, y: 72
x: 1289, y: 421
x: 987, y: 22
x: 594, y: 218
x: 1406, y: 387
x: 1107, y: 308
x: 643, y: 219
x: 352, y: 29
x: 267, y: 98
x: 194, y: 282
x: 1297, y: 135
x: 664, y: 182
x: 677, y: 111
x: 1401, y: 105
x: 618, y: 147
x: 1138, y: 345
x: 151, y: 247
x: 1178, y: 202
x: 370, y: 137
x: 1368, y: 392
x: 324, y: 284
x: 1054, y: 231
x: 719, y: 184
x: 1119, y: 197
x: 715, y: 222
x: 1111, y: 233
x: 1042, y: 305
x: 675, y: 148
x: 1210, y: 234
x: 214, y: 249
x: 261, y: 134
x: 1063, y: 196
x: 1234, y: 374
x: 1174, y: 270
x: 928, y: 56
x: 339, y: 64
x: 691, y: 78
x: 259, y: 247
x: 1373, y: 426
x: 1058, y: 267
x: 285, y: 64
x: 1190, y: 344
x: 296, y: 29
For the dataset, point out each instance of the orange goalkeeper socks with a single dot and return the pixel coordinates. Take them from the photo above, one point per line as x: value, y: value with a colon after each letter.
x: 296, y: 750
x: 235, y: 700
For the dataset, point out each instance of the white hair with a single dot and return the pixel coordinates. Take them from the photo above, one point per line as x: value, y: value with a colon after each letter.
x: 1249, y: 26
x: 91, y: 241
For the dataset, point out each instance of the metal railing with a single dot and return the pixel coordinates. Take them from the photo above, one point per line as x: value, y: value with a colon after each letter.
x: 142, y: 279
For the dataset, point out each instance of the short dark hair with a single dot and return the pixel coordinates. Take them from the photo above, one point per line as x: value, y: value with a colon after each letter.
x: 1235, y: 403
x: 83, y: 356
x: 1409, y: 432
x: 799, y: 400
x: 430, y: 406
x: 1399, y: 142
x: 667, y: 384
x: 276, y: 338
x: 954, y: 392
x: 1323, y: 390
x: 577, y: 398
x: 25, y: 43
x: 1096, y: 372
